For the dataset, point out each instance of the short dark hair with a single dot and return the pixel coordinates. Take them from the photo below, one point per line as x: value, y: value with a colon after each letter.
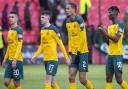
x: 46, y: 13
x: 73, y: 5
x: 114, y: 8
x: 14, y: 12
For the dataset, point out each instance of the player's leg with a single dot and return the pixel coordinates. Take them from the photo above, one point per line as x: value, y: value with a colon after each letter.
x: 109, y: 72
x: 48, y: 81
x: 73, y: 71
x: 17, y: 84
x: 54, y: 83
x: 72, y: 76
x: 51, y: 69
x: 18, y: 74
x: 83, y: 68
x: 118, y: 65
x: 8, y: 82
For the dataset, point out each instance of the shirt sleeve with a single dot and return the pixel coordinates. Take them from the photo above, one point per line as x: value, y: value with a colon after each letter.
x: 20, y: 41
x: 57, y: 37
x: 82, y: 33
x: 80, y: 22
x: 121, y: 28
x: 39, y: 50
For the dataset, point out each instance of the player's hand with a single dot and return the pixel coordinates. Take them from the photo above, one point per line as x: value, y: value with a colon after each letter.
x: 3, y: 63
x: 33, y: 59
x: 102, y: 29
x: 68, y: 61
x: 14, y: 63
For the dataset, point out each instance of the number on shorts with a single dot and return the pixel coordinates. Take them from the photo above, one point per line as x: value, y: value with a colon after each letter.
x: 84, y: 64
x: 119, y: 64
x: 16, y: 72
x: 51, y: 67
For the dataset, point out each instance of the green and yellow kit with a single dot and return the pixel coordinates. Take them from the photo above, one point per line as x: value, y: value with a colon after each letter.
x: 50, y: 37
x: 15, y: 36
x: 77, y: 40
x: 115, y: 55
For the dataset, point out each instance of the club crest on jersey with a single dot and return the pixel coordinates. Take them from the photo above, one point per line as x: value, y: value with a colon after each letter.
x: 74, y: 26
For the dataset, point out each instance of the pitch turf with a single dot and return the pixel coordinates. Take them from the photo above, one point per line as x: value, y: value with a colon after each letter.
x: 35, y: 74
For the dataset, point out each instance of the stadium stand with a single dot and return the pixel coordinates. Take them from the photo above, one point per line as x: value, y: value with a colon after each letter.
x: 29, y: 37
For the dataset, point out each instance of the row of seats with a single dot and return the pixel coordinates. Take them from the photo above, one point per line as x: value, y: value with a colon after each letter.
x: 105, y: 4
x: 30, y: 37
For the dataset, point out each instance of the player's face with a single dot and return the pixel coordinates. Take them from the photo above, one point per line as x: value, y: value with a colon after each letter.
x: 13, y: 19
x: 111, y: 14
x: 69, y: 10
x: 44, y: 19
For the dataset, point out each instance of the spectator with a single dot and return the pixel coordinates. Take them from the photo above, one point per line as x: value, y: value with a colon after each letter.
x: 44, y: 4
x: 52, y: 6
x: 126, y: 24
x: 27, y: 16
x: 85, y: 5
x: 1, y: 46
x: 16, y: 8
x: 61, y: 16
x: 5, y: 17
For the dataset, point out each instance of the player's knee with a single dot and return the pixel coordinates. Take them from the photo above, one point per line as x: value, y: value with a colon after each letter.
x: 83, y: 81
x: 72, y: 79
x: 6, y: 83
x: 119, y: 81
x: 108, y: 79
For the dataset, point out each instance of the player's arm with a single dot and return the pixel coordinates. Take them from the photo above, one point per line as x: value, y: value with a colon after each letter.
x: 59, y: 42
x: 113, y: 38
x: 5, y: 57
x: 38, y: 52
x: 82, y: 33
x: 20, y: 42
x: 69, y: 43
x: 106, y: 39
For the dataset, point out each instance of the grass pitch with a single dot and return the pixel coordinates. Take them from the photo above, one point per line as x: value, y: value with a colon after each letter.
x: 34, y: 76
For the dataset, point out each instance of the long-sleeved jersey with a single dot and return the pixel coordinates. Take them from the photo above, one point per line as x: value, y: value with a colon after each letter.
x: 15, y: 36
x: 77, y: 40
x: 50, y: 37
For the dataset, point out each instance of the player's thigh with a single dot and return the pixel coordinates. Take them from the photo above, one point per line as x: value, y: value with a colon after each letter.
x: 74, y: 61
x: 18, y: 71
x: 51, y: 67
x: 109, y: 65
x: 8, y: 70
x: 83, y: 62
x: 118, y: 63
